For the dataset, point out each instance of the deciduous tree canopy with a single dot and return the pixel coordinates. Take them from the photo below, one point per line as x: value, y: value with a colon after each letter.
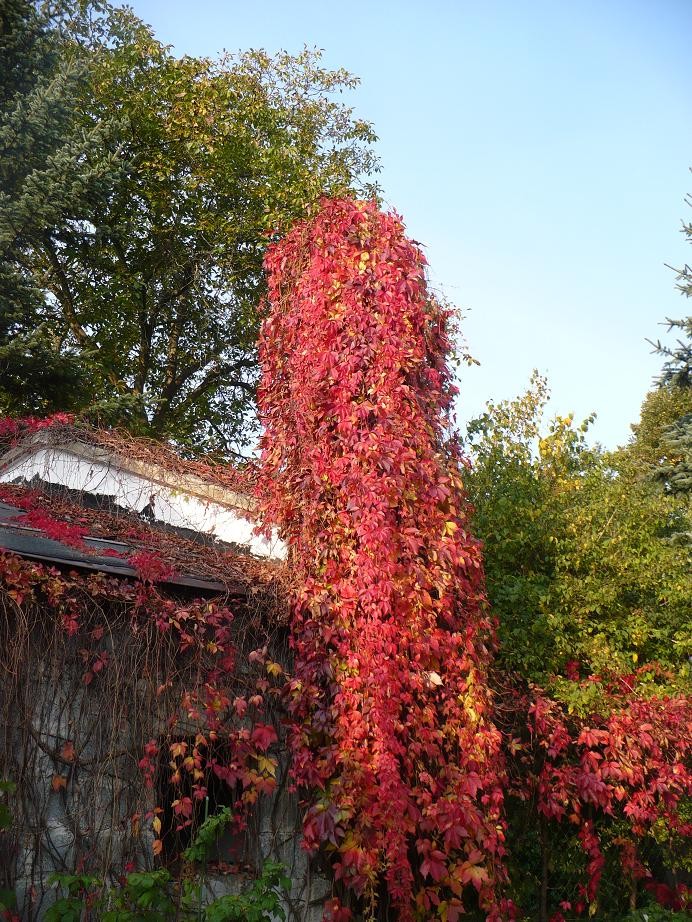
x: 144, y: 189
x: 590, y: 585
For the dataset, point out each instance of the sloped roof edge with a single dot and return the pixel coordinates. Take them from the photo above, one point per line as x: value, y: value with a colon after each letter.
x: 114, y: 447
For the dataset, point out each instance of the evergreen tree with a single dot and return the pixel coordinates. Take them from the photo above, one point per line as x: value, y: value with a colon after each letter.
x: 676, y: 377
x: 675, y: 470
x: 678, y: 438
x: 677, y: 368
x: 52, y: 171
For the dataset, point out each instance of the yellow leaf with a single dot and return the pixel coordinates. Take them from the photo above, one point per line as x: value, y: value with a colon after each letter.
x: 266, y: 765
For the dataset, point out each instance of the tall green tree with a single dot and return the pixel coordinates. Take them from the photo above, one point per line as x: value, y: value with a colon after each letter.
x: 157, y: 287
x: 674, y: 467
x: 53, y: 169
x: 675, y: 380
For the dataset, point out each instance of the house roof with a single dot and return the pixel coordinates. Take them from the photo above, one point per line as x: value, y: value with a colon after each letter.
x: 218, y: 482
x: 48, y: 515
x: 142, y: 476
x: 107, y: 556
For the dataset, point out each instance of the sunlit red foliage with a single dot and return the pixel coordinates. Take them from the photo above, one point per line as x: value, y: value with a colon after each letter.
x: 12, y: 429
x: 393, y: 743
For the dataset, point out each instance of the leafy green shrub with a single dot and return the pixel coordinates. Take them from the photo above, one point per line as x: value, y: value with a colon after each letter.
x: 153, y: 896
x: 80, y: 892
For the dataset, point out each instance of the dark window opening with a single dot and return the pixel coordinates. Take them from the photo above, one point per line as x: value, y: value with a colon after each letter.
x: 230, y: 853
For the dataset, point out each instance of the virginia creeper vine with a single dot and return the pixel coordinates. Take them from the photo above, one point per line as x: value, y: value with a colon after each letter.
x: 393, y: 741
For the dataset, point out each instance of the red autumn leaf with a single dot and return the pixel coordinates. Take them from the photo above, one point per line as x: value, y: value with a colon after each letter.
x: 183, y: 806
x: 434, y: 865
x: 59, y: 782
x: 475, y: 875
x: 263, y: 736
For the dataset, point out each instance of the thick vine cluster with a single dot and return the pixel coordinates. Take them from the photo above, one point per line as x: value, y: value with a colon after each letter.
x: 393, y: 740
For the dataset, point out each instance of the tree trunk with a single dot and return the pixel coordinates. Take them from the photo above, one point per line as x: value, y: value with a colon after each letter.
x: 543, y: 905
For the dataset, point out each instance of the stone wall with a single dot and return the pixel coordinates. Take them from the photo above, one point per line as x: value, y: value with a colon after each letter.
x: 73, y: 750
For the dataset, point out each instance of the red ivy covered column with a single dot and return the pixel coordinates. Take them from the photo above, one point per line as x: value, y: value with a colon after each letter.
x: 393, y: 741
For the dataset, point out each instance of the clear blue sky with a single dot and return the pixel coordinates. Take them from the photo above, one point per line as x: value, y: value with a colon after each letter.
x: 541, y: 151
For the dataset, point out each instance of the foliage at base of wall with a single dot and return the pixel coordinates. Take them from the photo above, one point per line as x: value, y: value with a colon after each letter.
x: 155, y: 896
